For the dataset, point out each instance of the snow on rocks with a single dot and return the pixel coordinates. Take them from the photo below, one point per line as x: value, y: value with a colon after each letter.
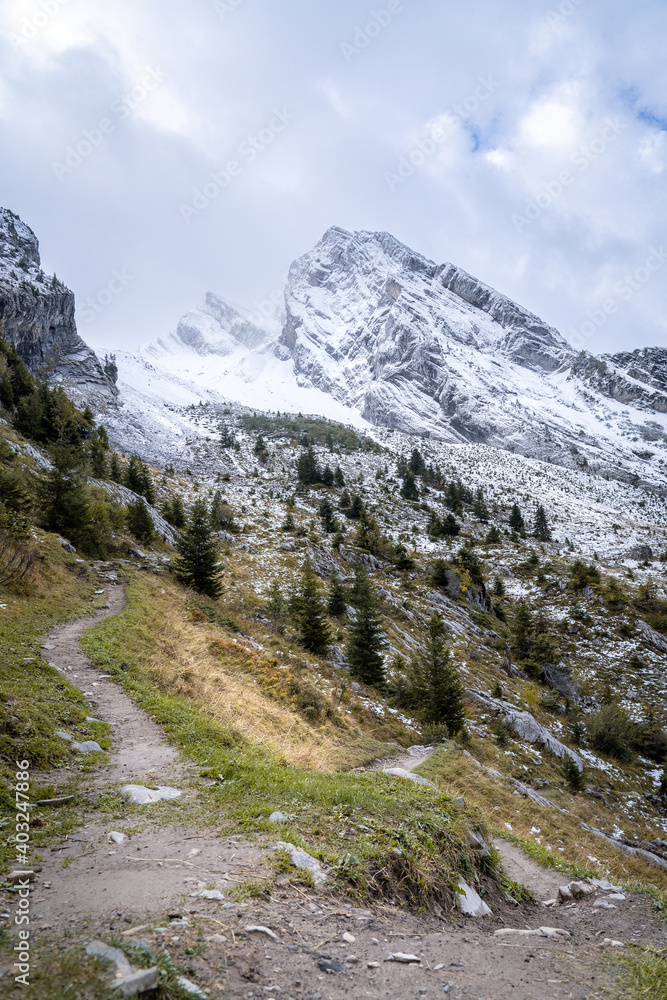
x: 638, y: 852
x: 301, y: 859
x: 140, y: 796
x: 652, y: 637
x: 470, y: 902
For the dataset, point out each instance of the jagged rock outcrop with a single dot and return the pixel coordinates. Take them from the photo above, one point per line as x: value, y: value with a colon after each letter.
x: 216, y: 327
x: 638, y: 378
x: 525, y: 726
x: 37, y: 317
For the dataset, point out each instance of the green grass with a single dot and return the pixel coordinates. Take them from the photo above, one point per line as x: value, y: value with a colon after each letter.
x: 414, y: 843
x: 71, y: 975
x: 36, y: 700
x: 643, y: 974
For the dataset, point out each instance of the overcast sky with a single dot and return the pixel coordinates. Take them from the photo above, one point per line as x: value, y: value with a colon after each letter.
x: 542, y: 165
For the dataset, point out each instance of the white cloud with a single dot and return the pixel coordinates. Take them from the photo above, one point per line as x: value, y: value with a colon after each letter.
x: 555, y: 86
x: 551, y: 123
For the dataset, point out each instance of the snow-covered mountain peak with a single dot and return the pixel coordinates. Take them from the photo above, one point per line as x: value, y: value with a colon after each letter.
x: 376, y: 331
x: 384, y: 280
x: 216, y: 327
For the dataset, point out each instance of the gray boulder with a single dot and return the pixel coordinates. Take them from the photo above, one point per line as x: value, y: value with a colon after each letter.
x: 526, y: 726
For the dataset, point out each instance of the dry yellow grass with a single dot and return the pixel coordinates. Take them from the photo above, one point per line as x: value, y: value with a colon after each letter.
x: 216, y: 673
x: 559, y: 835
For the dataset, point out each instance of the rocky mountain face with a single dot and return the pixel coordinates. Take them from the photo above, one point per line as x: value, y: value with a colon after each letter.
x: 429, y: 349
x: 217, y: 327
x: 374, y: 332
x: 638, y: 378
x: 37, y: 317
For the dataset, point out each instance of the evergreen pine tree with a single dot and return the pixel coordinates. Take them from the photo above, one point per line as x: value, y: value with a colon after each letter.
x: 167, y: 511
x: 147, y: 488
x: 260, y: 449
x: 338, y: 539
x: 139, y: 521
x: 196, y: 565
x: 133, y: 475
x: 289, y: 523
x: 516, y: 519
x: 441, y: 688
x: 337, y: 597
x: 440, y: 574
x: 416, y: 464
x: 480, y: 510
x: 493, y: 536
x: 329, y: 522
x: 522, y: 632
x: 356, y: 509
x: 98, y: 454
x: 454, y: 498
x: 328, y: 476
x: 139, y: 480
x: 366, y: 637
x: 409, y: 489
x: 177, y: 512
x: 63, y: 497
x: 368, y: 537
x: 227, y: 439
x: 339, y: 478
x: 277, y: 605
x: 402, y: 560
x: 308, y: 469
x: 541, y: 530
x: 116, y: 469
x: 310, y: 614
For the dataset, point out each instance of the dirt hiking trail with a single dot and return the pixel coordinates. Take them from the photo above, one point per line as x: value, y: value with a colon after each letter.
x: 320, y: 947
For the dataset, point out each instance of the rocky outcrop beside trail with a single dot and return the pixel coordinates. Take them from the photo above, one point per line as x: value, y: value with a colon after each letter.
x: 37, y: 317
x: 525, y: 726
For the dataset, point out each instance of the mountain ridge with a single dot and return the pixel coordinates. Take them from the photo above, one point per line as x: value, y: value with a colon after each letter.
x: 37, y: 317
